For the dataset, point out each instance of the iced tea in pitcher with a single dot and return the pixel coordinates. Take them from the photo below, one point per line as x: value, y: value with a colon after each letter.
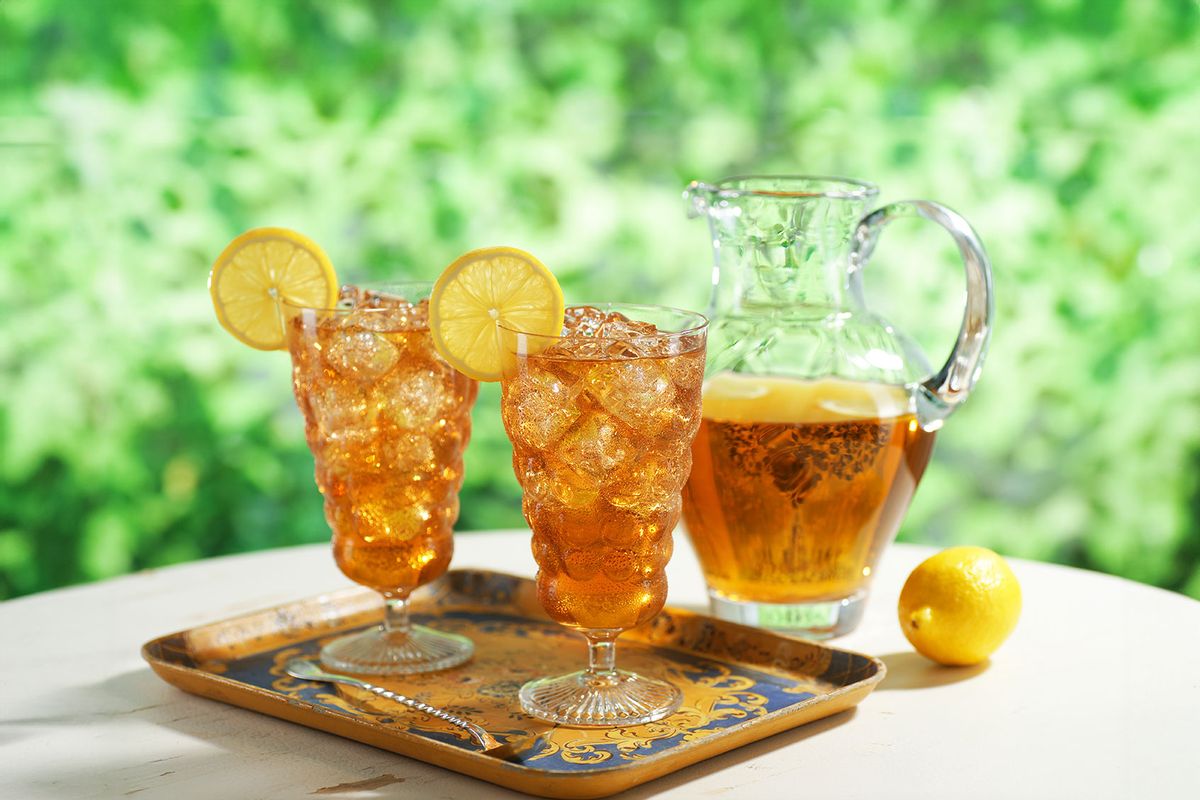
x: 797, y: 486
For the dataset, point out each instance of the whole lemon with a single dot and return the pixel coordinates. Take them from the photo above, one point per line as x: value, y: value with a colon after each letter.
x: 958, y: 606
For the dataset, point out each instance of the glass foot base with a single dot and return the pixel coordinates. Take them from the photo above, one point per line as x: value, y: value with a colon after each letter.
x: 373, y: 652
x: 600, y: 700
x: 823, y: 619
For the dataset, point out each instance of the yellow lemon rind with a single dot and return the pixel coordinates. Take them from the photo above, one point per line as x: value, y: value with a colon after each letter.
x: 959, y: 606
x: 473, y: 321
x: 257, y: 236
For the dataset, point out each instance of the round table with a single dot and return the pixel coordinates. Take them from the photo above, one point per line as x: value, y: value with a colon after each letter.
x: 1096, y: 695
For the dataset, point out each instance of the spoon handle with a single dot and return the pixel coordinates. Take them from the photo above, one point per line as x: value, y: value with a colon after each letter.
x: 482, y: 737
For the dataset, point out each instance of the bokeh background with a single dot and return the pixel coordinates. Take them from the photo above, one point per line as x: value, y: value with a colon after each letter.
x: 137, y: 137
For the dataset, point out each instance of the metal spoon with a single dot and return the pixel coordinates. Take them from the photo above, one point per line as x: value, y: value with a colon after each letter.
x: 510, y: 751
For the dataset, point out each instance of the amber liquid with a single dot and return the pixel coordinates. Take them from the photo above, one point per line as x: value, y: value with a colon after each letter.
x: 387, y: 421
x: 601, y: 448
x: 797, y: 487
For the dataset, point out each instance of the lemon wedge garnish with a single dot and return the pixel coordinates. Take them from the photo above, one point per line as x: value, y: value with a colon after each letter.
x: 260, y: 268
x: 485, y: 287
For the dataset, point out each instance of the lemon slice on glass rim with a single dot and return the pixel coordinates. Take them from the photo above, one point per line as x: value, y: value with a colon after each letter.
x: 485, y: 287
x: 260, y: 268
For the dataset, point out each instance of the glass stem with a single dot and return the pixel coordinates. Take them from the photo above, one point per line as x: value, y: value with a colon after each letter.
x: 602, y: 652
x: 396, y: 624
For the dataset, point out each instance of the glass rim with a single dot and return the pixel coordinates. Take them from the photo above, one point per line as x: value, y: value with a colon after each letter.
x: 840, y: 188
x: 427, y: 285
x: 699, y: 322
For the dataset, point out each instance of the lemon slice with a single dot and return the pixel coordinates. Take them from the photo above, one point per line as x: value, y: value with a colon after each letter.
x: 481, y: 288
x: 261, y: 267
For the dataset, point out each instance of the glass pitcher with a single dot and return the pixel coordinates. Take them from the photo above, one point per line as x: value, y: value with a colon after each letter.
x: 819, y: 417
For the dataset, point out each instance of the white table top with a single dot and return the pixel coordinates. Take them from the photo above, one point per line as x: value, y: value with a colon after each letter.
x: 1096, y: 695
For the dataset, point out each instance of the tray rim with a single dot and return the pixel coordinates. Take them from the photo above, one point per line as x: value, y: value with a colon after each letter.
x: 598, y: 782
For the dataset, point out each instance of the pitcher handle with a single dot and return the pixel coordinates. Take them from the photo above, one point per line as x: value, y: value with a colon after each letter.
x: 944, y: 391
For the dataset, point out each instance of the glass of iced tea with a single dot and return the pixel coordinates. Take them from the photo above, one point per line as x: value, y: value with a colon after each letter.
x: 602, y: 419
x: 387, y: 420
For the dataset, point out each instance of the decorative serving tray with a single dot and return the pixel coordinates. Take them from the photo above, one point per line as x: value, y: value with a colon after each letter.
x: 740, y: 684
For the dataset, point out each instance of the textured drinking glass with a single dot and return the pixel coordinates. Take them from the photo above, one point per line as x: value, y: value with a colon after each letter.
x: 387, y: 420
x: 602, y: 420
x: 819, y: 416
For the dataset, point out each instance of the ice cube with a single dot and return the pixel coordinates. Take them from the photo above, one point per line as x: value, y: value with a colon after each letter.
x: 360, y: 354
x: 408, y: 452
x: 339, y: 407
x: 686, y: 371
x: 416, y: 396
x: 637, y: 391
x: 448, y: 444
x: 619, y: 326
x: 556, y: 490
x: 596, y: 446
x: 378, y: 320
x: 653, y: 485
x: 583, y: 321
x: 586, y: 348
x: 415, y: 346
x: 345, y: 452
x: 382, y: 511
x: 540, y: 406
x: 348, y: 296
x: 372, y: 310
x: 590, y: 333
x: 681, y: 421
x: 568, y: 477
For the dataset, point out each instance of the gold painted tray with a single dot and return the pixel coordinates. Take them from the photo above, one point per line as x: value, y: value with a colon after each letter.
x: 740, y: 684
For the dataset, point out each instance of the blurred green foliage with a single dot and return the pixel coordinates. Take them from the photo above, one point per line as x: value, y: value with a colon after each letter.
x: 138, y: 137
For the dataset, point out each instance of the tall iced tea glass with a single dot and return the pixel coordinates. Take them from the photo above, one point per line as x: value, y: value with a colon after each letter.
x: 387, y: 420
x: 602, y: 419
